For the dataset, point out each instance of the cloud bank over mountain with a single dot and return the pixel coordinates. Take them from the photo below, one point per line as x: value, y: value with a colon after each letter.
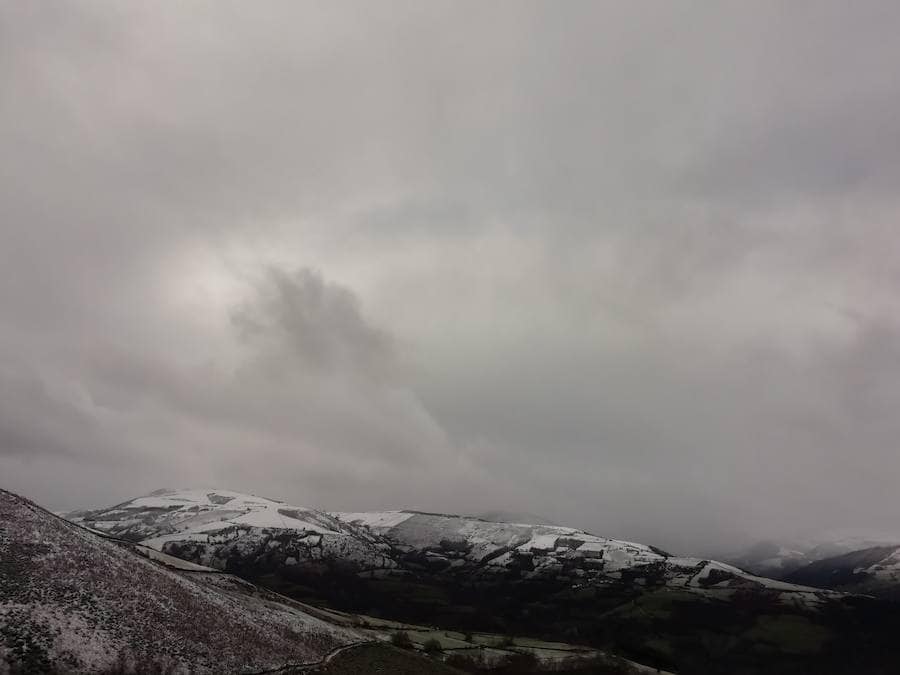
x: 634, y: 268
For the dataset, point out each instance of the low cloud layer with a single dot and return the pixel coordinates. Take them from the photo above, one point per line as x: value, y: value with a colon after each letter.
x: 630, y: 266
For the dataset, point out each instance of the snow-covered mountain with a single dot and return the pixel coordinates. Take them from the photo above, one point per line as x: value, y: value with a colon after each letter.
x: 771, y: 559
x: 234, y: 531
x: 244, y: 533
x: 171, y: 511
x: 778, y: 560
x: 71, y: 601
x: 514, y: 517
x: 548, y: 581
x: 873, y: 570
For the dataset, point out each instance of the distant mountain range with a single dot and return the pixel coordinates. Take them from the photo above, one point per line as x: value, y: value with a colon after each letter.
x: 469, y: 573
x: 229, y: 530
x: 874, y: 571
x: 779, y: 560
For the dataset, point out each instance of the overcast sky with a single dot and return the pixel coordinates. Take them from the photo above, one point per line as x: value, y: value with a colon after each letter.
x: 632, y: 266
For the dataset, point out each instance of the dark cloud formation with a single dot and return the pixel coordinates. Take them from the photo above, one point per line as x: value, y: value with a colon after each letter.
x: 631, y: 266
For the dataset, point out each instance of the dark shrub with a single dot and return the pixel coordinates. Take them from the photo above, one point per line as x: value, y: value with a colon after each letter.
x: 401, y: 639
x: 505, y: 642
x: 432, y: 646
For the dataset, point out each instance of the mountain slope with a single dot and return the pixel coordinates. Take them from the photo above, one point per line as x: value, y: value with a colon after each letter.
x: 771, y: 559
x: 778, y: 560
x: 462, y: 546
x: 874, y: 571
x: 513, y: 517
x: 229, y: 530
x: 200, y: 510
x: 73, y: 601
x: 558, y: 583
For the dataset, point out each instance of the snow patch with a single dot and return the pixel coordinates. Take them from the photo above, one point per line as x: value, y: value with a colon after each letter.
x: 374, y: 519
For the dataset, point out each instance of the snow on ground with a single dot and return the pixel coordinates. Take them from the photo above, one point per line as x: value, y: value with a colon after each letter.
x: 540, y: 542
x: 267, y: 516
x: 373, y: 519
x: 170, y: 561
x: 195, y: 512
x: 158, y: 543
x: 616, y: 553
x: 888, y: 569
x: 226, y: 523
x: 712, y: 566
x: 699, y: 572
x: 76, y: 601
x: 200, y: 497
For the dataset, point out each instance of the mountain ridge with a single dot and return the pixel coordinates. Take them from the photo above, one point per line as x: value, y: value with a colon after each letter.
x: 780, y: 559
x: 872, y: 571
x: 464, y: 574
x: 195, y: 524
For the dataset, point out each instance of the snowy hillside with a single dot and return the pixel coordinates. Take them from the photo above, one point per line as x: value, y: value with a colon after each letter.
x: 465, y: 573
x: 214, y: 527
x: 171, y: 511
x: 873, y: 570
x: 459, y: 545
x: 255, y: 536
x: 514, y: 517
x: 778, y: 560
x: 73, y: 601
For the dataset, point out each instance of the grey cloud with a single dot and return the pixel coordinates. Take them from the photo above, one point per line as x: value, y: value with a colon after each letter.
x: 312, y: 389
x: 34, y: 420
x: 631, y: 266
x: 318, y: 323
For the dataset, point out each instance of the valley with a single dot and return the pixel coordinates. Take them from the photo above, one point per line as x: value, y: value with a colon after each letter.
x: 467, y: 575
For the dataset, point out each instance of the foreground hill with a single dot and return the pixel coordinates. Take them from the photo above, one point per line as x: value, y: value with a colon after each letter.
x: 683, y: 614
x: 72, y: 602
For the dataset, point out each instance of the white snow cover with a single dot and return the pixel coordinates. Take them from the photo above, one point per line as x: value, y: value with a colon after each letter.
x: 703, y: 568
x: 175, y: 515
x: 170, y: 560
x: 541, y: 542
x: 268, y: 516
x: 884, y: 571
x: 219, y: 518
x: 82, y: 599
x: 787, y: 556
x: 616, y: 554
x: 232, y: 507
x: 889, y: 567
x: 373, y: 519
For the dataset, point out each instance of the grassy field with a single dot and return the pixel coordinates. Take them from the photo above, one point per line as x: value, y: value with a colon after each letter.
x: 386, y: 659
x: 383, y: 659
x: 479, y: 650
